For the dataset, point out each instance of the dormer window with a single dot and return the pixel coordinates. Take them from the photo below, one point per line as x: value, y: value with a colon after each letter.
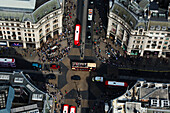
x: 131, y: 23
x: 124, y: 16
x: 116, y: 11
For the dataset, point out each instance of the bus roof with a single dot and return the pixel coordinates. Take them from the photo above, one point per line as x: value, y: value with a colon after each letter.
x: 91, y: 64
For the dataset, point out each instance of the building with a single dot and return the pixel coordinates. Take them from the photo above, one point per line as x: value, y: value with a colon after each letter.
x: 144, y: 97
x: 18, y: 94
x: 140, y: 27
x: 28, y: 23
x: 6, y: 98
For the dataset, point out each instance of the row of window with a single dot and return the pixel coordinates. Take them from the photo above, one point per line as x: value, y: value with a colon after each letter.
x: 158, y: 33
x: 10, y: 24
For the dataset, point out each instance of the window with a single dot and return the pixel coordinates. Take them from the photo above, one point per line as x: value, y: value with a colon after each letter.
x: 18, y: 25
x: 33, y: 35
x: 167, y: 38
x: 134, y: 41
x: 150, y: 37
x: 32, y: 30
x: 14, y: 38
x: 160, y: 42
x: 134, y: 37
x: 25, y: 34
x: 151, y: 32
x: 33, y: 39
x: 7, y: 24
x: 142, y: 42
x: 149, y: 41
x: 9, y: 37
x: 156, y: 37
x: 13, y: 28
x: 157, y: 33
x: 19, y: 38
x: 29, y: 34
x: 162, y: 33
x: 30, y: 40
x: 25, y: 39
x: 139, y: 37
x: 19, y: 33
x: 138, y: 42
x: 40, y: 30
x: 55, y: 21
x: 18, y: 29
x: 159, y: 47
x: 12, y: 24
x: 164, y: 47
x: 140, y: 46
x: 148, y: 46
x: 166, y: 43
x: 8, y: 32
x: 161, y: 38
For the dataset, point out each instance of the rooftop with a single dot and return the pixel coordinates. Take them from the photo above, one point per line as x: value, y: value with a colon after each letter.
x: 147, y: 93
x: 125, y: 14
x: 42, y: 8
x: 18, y: 4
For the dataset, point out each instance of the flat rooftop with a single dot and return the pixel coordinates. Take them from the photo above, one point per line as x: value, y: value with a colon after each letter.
x: 21, y: 4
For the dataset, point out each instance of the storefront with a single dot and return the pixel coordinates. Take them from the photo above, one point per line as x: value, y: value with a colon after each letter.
x: 151, y: 53
x: 134, y: 52
x: 30, y: 45
x: 16, y: 44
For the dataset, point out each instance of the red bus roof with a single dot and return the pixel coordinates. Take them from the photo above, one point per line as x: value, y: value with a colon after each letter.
x: 65, y: 108
x: 72, y: 109
x: 77, y: 35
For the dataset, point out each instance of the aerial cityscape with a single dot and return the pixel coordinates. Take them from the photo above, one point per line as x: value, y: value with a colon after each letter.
x: 85, y: 56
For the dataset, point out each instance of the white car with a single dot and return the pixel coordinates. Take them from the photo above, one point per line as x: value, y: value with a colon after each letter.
x: 97, y: 79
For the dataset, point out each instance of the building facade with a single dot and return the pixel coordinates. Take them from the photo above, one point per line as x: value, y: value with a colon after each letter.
x: 143, y: 97
x: 140, y: 27
x: 29, y: 23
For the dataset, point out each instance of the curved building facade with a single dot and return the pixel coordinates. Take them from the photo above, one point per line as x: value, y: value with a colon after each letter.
x: 29, y: 23
x: 140, y: 27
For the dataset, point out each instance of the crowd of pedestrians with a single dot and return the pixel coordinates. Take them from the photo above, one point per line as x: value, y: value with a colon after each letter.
x: 56, y: 94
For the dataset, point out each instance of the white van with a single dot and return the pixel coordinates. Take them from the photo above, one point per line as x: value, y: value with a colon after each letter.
x: 97, y: 79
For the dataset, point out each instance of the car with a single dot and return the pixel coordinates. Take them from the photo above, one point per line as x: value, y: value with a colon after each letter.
x: 88, y: 35
x: 75, y: 77
x: 106, y: 107
x: 91, y: 2
x: 88, y: 24
x: 50, y: 76
x: 36, y: 65
x: 97, y: 79
x: 54, y: 66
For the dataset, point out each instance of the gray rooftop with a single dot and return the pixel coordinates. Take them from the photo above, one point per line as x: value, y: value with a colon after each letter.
x: 18, y: 4
x: 148, y: 93
x: 125, y: 14
x: 36, y: 15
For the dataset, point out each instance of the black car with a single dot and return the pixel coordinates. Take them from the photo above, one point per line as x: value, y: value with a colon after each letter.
x: 51, y: 76
x: 91, y: 2
x: 88, y: 35
x: 75, y: 77
x: 88, y: 25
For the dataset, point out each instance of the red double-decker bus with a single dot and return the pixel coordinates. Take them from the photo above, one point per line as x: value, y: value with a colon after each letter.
x: 72, y: 109
x: 65, y: 108
x: 77, y: 35
x: 82, y: 66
